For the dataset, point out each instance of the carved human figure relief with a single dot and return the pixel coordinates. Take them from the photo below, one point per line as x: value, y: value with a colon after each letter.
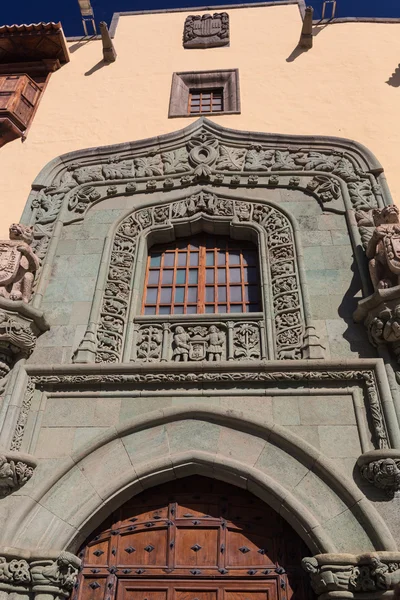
x: 18, y: 264
x: 383, y: 248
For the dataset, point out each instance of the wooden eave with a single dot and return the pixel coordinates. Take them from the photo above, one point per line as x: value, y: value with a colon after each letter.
x: 40, y: 45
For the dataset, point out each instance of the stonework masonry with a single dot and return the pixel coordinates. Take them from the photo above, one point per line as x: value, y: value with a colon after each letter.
x: 298, y: 403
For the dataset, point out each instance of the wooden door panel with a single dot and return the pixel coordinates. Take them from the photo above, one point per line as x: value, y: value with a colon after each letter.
x: 245, y: 550
x: 194, y: 539
x: 195, y: 594
x: 196, y: 547
x: 143, y: 548
x: 189, y: 509
x: 268, y: 592
x: 98, y: 553
x: 134, y: 592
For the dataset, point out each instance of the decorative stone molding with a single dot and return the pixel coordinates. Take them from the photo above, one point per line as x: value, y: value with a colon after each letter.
x: 206, y: 31
x: 166, y: 375
x: 20, y: 325
x: 381, y: 468
x: 55, y: 577
x: 348, y: 575
x: 283, y: 277
x: 16, y: 469
x: 325, y: 166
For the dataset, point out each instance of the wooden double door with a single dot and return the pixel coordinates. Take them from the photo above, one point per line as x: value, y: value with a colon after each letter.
x: 194, y: 539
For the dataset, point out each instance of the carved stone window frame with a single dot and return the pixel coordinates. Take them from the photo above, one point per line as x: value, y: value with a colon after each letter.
x: 183, y: 82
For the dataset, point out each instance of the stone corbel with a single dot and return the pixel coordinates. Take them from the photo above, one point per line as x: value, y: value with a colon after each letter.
x: 381, y: 468
x: 380, y: 313
x: 366, y: 576
x: 16, y: 469
x: 20, y: 325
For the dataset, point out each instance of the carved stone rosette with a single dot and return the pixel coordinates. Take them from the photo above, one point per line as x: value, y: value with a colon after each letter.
x: 380, y: 313
x: 20, y: 325
x: 21, y: 574
x: 381, y: 468
x: 349, y: 576
x: 16, y: 469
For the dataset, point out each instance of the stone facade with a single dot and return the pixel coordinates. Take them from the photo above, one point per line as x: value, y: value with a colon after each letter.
x: 298, y: 403
x: 287, y: 404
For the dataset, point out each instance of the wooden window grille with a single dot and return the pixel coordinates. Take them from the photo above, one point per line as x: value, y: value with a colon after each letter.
x: 206, y: 101
x: 203, y: 274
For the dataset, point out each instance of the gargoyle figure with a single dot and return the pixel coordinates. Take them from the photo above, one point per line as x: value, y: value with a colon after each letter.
x: 18, y: 264
x: 383, y: 248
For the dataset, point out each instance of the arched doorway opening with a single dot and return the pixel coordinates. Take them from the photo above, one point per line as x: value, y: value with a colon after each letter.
x: 194, y: 539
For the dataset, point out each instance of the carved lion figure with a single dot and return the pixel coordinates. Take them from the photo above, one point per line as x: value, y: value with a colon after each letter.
x: 18, y: 264
x: 383, y: 248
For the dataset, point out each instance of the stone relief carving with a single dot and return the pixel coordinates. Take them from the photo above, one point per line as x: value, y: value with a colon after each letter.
x: 200, y: 157
x: 380, y: 312
x: 366, y: 377
x: 195, y: 343
x: 368, y: 573
x: 381, y: 468
x: 15, y: 471
x: 288, y: 319
x: 18, y: 264
x: 55, y: 577
x: 383, y: 474
x: 60, y: 574
x: 383, y: 249
x: 206, y: 31
x: 23, y: 416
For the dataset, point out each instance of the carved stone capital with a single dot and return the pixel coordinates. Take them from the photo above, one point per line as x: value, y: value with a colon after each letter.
x: 20, y: 325
x: 352, y: 576
x: 57, y: 576
x: 380, y: 313
x: 382, y: 469
x: 16, y: 469
x: 50, y: 575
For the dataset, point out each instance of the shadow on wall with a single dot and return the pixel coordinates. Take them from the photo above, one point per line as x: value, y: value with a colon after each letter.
x: 299, y: 49
x: 356, y: 333
x: 394, y: 79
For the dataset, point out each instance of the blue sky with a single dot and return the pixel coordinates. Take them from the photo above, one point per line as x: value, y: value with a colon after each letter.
x: 67, y: 11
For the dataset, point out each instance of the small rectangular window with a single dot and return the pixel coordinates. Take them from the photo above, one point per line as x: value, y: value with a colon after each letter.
x: 206, y: 101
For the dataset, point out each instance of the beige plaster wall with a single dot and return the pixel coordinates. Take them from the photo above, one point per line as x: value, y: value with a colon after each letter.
x: 338, y: 88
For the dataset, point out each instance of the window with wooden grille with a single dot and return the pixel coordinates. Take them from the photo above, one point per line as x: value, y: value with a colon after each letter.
x: 206, y: 101
x: 203, y: 274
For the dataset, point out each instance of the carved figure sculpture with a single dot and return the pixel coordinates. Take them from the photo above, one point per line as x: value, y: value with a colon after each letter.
x: 18, y: 264
x: 216, y: 341
x: 383, y: 248
x: 391, y: 331
x: 384, y: 474
x: 182, y: 347
x: 61, y: 573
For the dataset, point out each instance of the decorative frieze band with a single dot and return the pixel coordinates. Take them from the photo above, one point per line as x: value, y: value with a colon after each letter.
x: 168, y: 377
x: 206, y: 155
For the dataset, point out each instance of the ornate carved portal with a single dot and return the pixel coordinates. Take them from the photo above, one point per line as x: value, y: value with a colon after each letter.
x: 195, y: 538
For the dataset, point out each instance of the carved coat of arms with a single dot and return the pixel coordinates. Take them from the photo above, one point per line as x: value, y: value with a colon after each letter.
x: 206, y: 31
x: 10, y: 259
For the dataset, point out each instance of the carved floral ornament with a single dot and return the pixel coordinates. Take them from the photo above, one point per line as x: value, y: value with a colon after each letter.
x: 202, y: 155
x: 16, y: 469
